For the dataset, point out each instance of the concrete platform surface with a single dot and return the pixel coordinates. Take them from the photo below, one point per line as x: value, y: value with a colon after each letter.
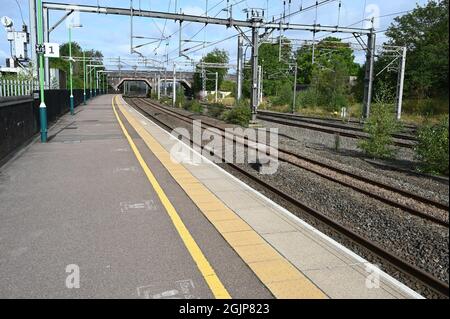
x: 82, y: 199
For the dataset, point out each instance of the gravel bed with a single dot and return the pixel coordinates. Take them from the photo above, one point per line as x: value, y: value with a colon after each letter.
x: 407, y: 280
x: 424, y: 186
x: 417, y: 241
x: 320, y: 146
x: 350, y: 161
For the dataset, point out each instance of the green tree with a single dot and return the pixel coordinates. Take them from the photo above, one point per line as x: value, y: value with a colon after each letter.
x: 77, y: 51
x: 328, y: 76
x: 228, y: 86
x: 327, y: 53
x: 424, y: 32
x: 276, y: 74
x: 331, y: 86
x: 215, y: 56
x: 380, y: 127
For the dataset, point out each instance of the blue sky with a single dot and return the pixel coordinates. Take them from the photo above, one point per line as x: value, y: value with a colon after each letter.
x: 110, y: 34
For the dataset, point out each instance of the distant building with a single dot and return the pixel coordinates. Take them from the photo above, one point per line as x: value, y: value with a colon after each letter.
x: 12, y: 68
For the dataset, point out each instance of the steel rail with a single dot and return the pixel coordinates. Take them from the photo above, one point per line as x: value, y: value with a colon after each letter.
x: 325, y: 123
x: 331, y: 119
x: 323, y: 129
x: 291, y: 158
x: 433, y: 283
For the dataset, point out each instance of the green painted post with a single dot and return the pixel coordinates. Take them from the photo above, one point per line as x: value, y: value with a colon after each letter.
x: 84, y: 78
x: 90, y: 82
x: 71, y: 72
x: 42, y: 106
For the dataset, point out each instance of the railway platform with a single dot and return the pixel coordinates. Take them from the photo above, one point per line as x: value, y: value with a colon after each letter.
x: 104, y: 203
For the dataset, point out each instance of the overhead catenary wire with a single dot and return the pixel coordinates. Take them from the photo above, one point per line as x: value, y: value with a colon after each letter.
x: 20, y: 11
x: 196, y: 48
x: 305, y: 9
x: 201, y: 29
x: 301, y: 10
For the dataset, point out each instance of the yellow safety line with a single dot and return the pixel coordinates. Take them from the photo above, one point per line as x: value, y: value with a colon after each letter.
x: 203, y: 265
x: 282, y: 278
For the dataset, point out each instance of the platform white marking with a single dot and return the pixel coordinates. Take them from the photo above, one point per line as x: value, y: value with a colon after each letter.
x: 182, y: 289
x: 125, y: 169
x: 146, y: 205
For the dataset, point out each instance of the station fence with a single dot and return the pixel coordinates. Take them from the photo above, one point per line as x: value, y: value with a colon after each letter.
x: 10, y: 87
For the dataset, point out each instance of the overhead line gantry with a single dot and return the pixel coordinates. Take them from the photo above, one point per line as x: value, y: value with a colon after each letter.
x: 255, y: 23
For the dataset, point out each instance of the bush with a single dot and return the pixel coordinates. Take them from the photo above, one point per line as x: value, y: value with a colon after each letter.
x: 380, y: 126
x: 432, y: 148
x: 193, y: 106
x: 180, y: 98
x: 285, y: 95
x: 228, y: 86
x: 215, y: 110
x: 306, y: 99
x: 426, y: 107
x: 166, y: 100
x: 240, y: 115
x: 228, y: 101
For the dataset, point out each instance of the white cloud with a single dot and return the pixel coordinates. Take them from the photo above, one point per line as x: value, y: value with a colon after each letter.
x: 193, y: 10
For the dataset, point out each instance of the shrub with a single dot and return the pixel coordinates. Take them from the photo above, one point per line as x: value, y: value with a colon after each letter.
x: 240, y: 115
x: 215, y: 110
x: 426, y: 107
x: 380, y: 126
x: 228, y: 101
x: 228, y: 86
x: 306, y: 99
x: 432, y: 148
x: 166, y: 100
x: 193, y: 106
x: 284, y: 96
x: 243, y: 102
x: 180, y: 98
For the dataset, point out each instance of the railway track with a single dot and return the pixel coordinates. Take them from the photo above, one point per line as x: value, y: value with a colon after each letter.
x: 408, y: 128
x: 329, y: 119
x: 425, y: 278
x: 412, y: 203
x: 330, y: 127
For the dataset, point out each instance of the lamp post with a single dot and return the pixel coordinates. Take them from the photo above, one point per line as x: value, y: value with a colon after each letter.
x: 42, y: 106
x: 90, y: 80
x: 70, y: 27
x: 93, y: 79
x: 97, y: 91
x: 105, y: 83
x: 84, y: 78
